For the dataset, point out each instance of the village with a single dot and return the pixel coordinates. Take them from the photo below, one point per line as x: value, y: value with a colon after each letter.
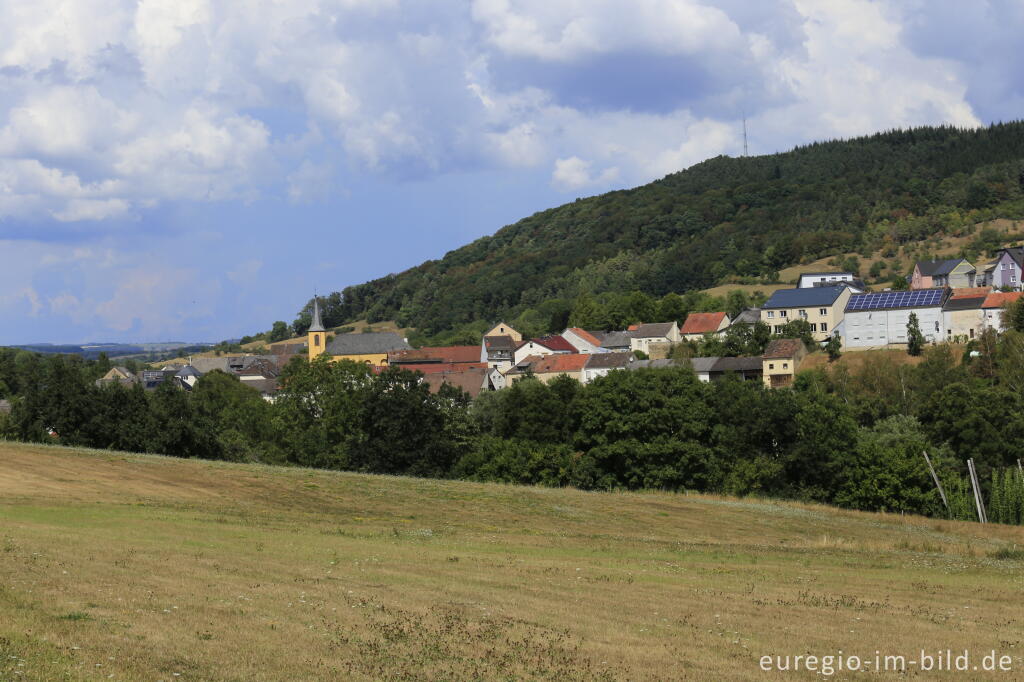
x: 951, y: 300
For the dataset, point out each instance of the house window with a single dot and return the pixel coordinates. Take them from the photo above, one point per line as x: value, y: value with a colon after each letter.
x: 778, y: 329
x: 783, y: 313
x: 823, y: 311
x: 814, y: 327
x: 785, y: 365
x: 1002, y: 266
x: 824, y: 327
x: 316, y: 340
x: 972, y: 332
x: 771, y: 365
x: 1013, y: 278
x: 771, y: 313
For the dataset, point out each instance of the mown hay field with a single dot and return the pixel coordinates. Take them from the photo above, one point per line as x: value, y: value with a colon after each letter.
x: 131, y: 567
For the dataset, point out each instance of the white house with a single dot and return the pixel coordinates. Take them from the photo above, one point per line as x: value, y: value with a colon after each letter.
x: 830, y: 279
x: 881, y: 319
x: 599, y: 364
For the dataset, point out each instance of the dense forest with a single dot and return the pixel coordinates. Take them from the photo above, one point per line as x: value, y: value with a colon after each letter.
x: 742, y: 219
x: 853, y: 439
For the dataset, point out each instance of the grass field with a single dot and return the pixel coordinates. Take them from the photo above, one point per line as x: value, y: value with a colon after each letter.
x: 116, y: 566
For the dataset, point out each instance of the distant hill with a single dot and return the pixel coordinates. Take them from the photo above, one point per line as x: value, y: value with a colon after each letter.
x: 726, y: 219
x: 92, y: 351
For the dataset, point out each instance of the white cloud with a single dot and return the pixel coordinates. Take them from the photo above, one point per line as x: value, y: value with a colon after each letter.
x: 573, y: 29
x: 113, y: 107
x: 574, y: 173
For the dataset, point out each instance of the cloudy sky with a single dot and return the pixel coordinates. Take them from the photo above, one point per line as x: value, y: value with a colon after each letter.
x: 193, y: 169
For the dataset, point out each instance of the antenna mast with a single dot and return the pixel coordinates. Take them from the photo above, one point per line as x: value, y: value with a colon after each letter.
x: 745, y: 134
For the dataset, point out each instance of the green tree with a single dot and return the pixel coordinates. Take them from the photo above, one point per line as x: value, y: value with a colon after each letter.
x: 279, y: 332
x: 915, y: 339
x: 834, y: 347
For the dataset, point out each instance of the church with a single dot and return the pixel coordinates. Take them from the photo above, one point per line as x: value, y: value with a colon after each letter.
x: 371, y: 348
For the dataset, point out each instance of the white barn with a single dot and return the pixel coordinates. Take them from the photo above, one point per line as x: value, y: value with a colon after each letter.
x: 874, y: 320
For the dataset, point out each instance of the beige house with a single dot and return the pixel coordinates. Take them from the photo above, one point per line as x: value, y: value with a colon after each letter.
x: 654, y: 338
x: 502, y: 329
x: 821, y: 307
x: 780, y: 362
x: 962, y: 316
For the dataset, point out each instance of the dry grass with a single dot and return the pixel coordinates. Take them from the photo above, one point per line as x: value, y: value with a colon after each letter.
x: 149, y: 568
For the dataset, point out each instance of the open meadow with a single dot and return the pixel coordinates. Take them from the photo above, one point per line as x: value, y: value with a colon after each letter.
x: 131, y: 567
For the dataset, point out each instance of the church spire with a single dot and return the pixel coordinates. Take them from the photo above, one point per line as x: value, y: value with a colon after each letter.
x: 317, y: 325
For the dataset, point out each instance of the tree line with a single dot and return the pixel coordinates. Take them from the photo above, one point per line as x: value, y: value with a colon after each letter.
x: 853, y: 438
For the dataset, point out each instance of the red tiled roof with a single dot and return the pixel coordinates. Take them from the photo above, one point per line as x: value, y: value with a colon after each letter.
x: 440, y: 354
x: 702, y: 323
x: 439, y: 367
x: 997, y: 299
x: 783, y: 348
x: 469, y: 380
x: 586, y: 336
x: 555, y: 342
x: 550, y: 364
x: 970, y: 292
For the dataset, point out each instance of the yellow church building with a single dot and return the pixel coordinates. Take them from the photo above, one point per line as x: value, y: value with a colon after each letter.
x: 371, y: 348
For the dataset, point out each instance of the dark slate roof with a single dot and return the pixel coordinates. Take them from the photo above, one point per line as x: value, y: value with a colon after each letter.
x: 782, y: 348
x: 653, y: 364
x: 652, y: 330
x: 931, y: 268
x: 188, y: 371
x: 801, y: 298
x: 616, y: 340
x: 893, y: 300
x: 1016, y: 253
x: 609, y: 360
x: 499, y: 343
x: 719, y: 364
x: 704, y: 364
x: 964, y: 303
x: 738, y: 365
x: 366, y: 344
x: 748, y: 316
x: 316, y: 325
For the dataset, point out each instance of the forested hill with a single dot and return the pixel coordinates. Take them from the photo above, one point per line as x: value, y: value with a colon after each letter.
x: 720, y: 219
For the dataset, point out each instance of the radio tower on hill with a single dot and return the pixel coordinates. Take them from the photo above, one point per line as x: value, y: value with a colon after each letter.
x: 745, y: 134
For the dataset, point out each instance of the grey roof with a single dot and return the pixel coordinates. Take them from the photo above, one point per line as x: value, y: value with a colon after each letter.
x: 798, y: 298
x: 653, y: 364
x: 495, y: 343
x: 316, y: 325
x: 738, y: 365
x: 366, y: 344
x: 188, y: 371
x: 609, y: 360
x: 206, y: 365
x: 616, y: 340
x: 719, y: 364
x: 748, y: 316
x: 652, y: 330
x: 964, y: 303
x: 264, y: 386
x: 704, y: 364
x: 931, y: 268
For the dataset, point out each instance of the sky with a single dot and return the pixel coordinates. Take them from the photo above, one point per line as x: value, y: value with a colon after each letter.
x: 192, y: 170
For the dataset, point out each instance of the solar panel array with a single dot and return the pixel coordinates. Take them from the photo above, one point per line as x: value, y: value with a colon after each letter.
x: 896, y: 299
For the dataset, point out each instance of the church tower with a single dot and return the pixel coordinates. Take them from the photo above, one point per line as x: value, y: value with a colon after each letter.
x: 317, y: 340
